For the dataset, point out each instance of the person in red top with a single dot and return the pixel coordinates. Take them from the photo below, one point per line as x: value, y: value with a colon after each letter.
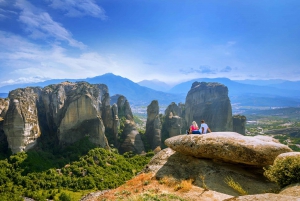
x: 194, y: 128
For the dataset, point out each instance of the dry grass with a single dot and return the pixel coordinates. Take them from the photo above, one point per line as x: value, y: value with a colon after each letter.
x: 235, y: 185
x: 146, y: 187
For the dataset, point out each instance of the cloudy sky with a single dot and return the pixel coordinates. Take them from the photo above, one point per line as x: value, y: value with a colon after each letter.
x: 168, y: 40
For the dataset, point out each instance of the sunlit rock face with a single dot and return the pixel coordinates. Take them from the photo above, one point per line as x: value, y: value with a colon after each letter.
x: 229, y: 147
x: 209, y: 101
x: 21, y: 124
x: 153, y: 125
x: 74, y: 111
x: 132, y: 138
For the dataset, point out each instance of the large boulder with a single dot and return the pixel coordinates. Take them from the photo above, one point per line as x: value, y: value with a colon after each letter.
x: 21, y: 124
x: 230, y: 147
x: 264, y: 197
x: 209, y: 101
x: 207, y: 173
x: 153, y: 125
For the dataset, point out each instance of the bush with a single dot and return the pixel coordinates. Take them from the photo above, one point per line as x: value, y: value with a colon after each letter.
x: 285, y: 171
x: 64, y: 197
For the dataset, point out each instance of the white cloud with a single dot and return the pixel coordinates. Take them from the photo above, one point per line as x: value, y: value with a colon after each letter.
x: 78, y: 8
x: 25, y: 62
x: 40, y: 25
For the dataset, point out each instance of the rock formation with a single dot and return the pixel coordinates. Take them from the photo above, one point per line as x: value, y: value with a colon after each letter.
x: 74, y: 111
x: 130, y: 138
x: 4, y: 104
x: 229, y: 147
x: 153, y: 126
x: 21, y: 124
x: 173, y: 123
x: 209, y: 101
x: 239, y: 124
x: 212, y: 173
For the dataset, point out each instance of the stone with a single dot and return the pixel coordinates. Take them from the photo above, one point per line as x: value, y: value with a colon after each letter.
x: 132, y: 138
x: 209, y: 102
x: 291, y: 190
x: 239, y: 124
x: 153, y: 125
x: 207, y: 173
x: 74, y: 111
x: 228, y: 146
x: 21, y: 123
x: 264, y: 197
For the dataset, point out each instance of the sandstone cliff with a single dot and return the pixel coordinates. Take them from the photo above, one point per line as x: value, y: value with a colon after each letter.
x: 209, y: 101
x: 130, y: 138
x: 239, y: 124
x: 153, y: 125
x: 21, y: 124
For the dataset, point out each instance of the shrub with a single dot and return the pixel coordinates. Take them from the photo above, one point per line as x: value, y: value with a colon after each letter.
x: 235, y: 185
x: 285, y: 171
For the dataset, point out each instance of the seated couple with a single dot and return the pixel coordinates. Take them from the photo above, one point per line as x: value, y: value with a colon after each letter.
x: 194, y: 129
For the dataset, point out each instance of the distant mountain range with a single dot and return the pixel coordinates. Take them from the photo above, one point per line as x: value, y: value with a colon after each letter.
x: 260, y: 93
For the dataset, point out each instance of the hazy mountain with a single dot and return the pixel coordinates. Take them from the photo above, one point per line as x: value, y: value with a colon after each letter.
x: 261, y: 82
x: 236, y: 88
x: 8, y: 88
x: 136, y: 94
x: 155, y: 85
x: 272, y: 93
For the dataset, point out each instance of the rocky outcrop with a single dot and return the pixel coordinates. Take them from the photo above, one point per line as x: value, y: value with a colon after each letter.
x: 130, y: 138
x: 207, y: 173
x: 229, y: 147
x: 153, y: 125
x: 209, y: 101
x: 74, y: 111
x: 239, y: 124
x: 4, y: 104
x: 174, y: 123
x: 21, y: 124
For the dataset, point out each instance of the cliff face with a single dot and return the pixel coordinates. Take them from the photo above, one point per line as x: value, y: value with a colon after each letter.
x: 209, y: 101
x: 66, y: 112
x: 239, y: 124
x: 21, y: 124
x: 153, y: 125
x: 132, y: 138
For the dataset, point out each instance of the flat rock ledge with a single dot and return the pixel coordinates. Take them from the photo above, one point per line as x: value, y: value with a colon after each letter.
x: 230, y: 147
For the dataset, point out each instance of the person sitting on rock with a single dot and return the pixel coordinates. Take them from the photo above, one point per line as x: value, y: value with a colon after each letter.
x: 194, y: 129
x: 204, y: 128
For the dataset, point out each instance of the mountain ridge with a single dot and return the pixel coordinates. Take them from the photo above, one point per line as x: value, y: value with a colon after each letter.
x: 273, y: 93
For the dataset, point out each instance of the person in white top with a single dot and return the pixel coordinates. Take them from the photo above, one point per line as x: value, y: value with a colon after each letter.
x: 204, y: 127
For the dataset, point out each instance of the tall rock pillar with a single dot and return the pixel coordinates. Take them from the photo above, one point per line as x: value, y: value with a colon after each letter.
x: 153, y: 125
x: 209, y: 101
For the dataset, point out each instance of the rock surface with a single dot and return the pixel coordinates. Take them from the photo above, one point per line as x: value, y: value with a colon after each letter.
x: 132, y: 139
x: 21, y: 124
x: 73, y: 110
x: 208, y: 173
x: 239, y: 124
x: 209, y: 101
x: 153, y: 125
x: 264, y: 197
x: 229, y: 146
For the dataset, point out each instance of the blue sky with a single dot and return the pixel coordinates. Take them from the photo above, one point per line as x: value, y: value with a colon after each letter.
x: 168, y: 40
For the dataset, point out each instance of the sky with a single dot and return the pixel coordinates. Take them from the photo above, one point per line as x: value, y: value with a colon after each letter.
x: 167, y: 40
